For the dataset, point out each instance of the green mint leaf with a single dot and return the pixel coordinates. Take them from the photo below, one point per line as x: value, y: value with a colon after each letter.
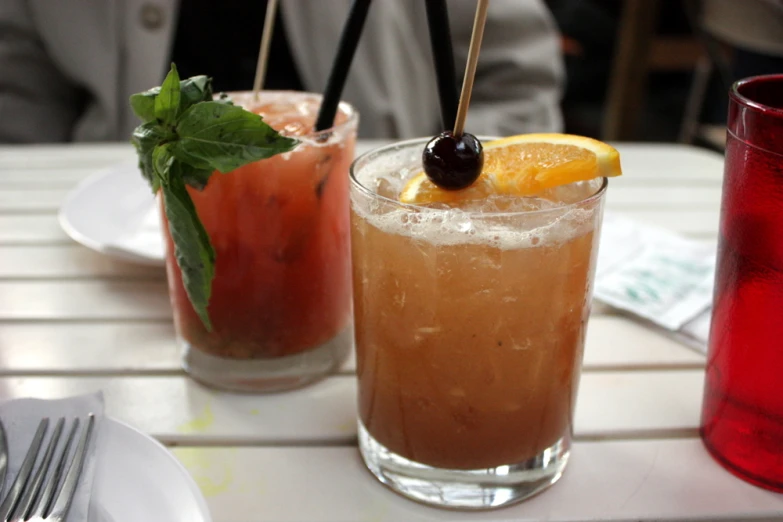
x: 161, y: 162
x: 143, y: 104
x: 196, y: 178
x: 225, y: 137
x: 146, y: 138
x: 192, y: 249
x: 167, y: 101
x: 194, y: 90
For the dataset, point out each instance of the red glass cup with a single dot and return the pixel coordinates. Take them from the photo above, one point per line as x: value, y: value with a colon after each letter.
x: 742, y: 416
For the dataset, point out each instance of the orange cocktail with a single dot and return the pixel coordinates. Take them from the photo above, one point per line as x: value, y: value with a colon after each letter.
x: 280, y: 305
x: 470, y: 314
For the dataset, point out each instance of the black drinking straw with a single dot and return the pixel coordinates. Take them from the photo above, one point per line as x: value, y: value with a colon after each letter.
x: 443, y: 57
x: 349, y: 40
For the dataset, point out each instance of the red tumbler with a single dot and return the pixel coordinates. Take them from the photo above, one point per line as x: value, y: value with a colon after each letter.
x: 742, y: 416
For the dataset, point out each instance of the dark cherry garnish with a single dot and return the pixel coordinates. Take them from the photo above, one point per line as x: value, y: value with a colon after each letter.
x: 453, y: 162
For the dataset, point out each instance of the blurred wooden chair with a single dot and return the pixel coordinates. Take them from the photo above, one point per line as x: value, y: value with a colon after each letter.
x: 638, y: 52
x: 691, y: 129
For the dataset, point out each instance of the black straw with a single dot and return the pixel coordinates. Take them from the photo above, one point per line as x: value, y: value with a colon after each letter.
x: 443, y: 57
x: 349, y: 40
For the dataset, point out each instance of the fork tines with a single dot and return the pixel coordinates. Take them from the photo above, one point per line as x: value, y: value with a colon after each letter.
x: 46, y: 494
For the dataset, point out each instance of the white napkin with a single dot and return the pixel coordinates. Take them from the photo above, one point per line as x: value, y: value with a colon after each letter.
x: 696, y: 333
x: 21, y: 417
x: 143, y: 237
x: 659, y: 276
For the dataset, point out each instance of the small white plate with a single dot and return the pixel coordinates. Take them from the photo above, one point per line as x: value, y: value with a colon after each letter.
x: 137, y: 479
x: 105, y: 211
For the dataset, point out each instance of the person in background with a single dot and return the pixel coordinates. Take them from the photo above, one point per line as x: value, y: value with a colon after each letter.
x: 68, y: 68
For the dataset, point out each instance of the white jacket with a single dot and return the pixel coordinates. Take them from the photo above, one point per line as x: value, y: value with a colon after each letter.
x: 67, y: 67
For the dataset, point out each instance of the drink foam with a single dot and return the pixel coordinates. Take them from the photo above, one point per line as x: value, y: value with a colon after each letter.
x: 503, y: 222
x: 456, y: 227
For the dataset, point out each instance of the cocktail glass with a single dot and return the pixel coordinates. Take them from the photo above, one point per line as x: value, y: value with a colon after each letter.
x: 470, y: 326
x: 280, y: 304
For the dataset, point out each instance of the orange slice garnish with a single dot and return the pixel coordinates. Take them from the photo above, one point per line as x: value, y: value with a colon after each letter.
x: 524, y: 165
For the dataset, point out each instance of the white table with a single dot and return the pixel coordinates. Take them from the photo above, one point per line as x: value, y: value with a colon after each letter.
x: 73, y: 321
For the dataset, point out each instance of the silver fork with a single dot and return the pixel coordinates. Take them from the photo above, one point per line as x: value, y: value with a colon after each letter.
x: 44, y: 496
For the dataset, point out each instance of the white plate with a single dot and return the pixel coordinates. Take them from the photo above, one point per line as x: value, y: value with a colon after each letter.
x: 137, y: 479
x: 106, y: 208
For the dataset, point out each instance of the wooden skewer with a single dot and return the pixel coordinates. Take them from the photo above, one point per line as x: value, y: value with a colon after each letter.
x: 266, y: 43
x: 470, y: 69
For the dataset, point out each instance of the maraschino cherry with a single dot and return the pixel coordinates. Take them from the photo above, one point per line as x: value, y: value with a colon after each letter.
x: 453, y: 162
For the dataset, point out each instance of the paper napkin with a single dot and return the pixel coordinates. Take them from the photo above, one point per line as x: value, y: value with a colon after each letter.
x: 659, y: 276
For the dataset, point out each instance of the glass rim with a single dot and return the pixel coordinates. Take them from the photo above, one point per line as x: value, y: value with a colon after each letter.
x: 737, y: 96
x: 352, y: 115
x: 411, y: 207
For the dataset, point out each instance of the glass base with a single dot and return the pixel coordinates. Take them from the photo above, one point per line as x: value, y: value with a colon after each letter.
x: 464, y: 489
x: 268, y: 375
x: 738, y: 471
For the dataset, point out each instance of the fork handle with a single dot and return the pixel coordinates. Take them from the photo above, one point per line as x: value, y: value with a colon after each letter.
x: 68, y: 488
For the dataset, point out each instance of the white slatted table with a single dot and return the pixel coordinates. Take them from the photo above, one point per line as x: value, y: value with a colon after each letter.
x: 73, y: 321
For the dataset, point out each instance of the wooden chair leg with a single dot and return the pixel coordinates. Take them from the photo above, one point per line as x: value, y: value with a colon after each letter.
x: 629, y: 69
x: 693, y: 106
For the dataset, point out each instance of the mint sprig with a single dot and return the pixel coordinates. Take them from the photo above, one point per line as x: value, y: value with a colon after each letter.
x: 202, y: 130
x: 185, y: 136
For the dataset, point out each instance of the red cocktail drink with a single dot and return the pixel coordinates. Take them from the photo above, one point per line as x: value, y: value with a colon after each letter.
x: 280, y: 305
